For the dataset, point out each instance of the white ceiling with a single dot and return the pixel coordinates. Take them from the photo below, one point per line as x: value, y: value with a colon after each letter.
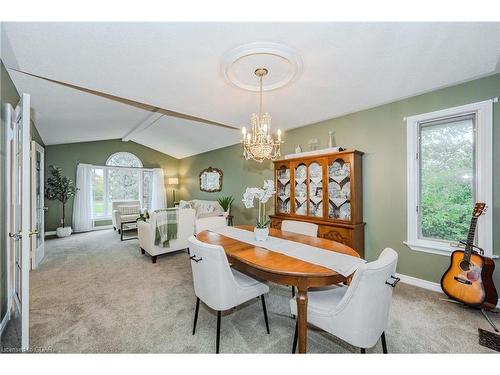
x: 346, y: 67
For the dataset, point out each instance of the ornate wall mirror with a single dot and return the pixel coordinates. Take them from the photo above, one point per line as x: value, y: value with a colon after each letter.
x: 211, y: 180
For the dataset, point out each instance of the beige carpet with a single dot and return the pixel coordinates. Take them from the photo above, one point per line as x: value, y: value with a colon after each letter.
x: 93, y: 293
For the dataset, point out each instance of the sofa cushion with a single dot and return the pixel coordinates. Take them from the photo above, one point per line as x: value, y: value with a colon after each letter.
x: 185, y: 204
x: 204, y: 207
x: 133, y: 217
x: 209, y: 214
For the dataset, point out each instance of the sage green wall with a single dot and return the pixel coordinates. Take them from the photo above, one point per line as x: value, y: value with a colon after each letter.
x: 67, y: 156
x: 381, y: 134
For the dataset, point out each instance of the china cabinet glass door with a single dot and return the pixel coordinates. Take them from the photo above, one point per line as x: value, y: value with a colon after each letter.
x: 300, y: 189
x: 283, y: 190
x: 339, y: 190
x: 315, y: 189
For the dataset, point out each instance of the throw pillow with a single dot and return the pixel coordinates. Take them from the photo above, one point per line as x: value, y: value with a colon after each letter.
x: 185, y: 204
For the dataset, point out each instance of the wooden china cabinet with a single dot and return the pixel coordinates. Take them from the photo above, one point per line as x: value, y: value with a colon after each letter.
x: 325, y: 189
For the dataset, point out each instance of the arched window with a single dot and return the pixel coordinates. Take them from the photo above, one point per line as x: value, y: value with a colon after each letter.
x: 124, y: 159
x: 122, y: 179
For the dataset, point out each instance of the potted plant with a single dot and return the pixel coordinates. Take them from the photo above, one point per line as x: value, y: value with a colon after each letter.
x: 262, y: 195
x: 60, y: 188
x: 225, y: 203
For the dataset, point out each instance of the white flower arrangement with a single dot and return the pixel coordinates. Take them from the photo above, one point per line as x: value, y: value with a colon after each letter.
x: 262, y: 195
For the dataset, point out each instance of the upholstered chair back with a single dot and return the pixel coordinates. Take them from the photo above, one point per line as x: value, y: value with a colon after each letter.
x: 210, y: 223
x: 213, y: 280
x: 364, y: 309
x: 185, y: 222
x: 116, y: 204
x: 300, y: 227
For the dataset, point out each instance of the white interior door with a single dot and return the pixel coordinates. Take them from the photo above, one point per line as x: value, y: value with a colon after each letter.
x: 37, y: 204
x: 20, y: 213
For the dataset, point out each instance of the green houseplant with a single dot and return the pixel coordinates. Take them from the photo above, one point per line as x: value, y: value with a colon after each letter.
x: 60, y: 188
x: 226, y: 203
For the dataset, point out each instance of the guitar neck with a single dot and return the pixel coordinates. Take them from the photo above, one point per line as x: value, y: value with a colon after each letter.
x: 470, y: 238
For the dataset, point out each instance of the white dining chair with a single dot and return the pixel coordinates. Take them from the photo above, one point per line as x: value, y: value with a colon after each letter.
x: 218, y: 285
x: 209, y: 223
x: 358, y: 313
x: 300, y: 227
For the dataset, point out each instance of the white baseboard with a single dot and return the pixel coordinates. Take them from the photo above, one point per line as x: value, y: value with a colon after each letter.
x: 429, y: 285
x: 101, y: 227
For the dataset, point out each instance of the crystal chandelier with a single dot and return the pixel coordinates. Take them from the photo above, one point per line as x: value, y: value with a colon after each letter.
x: 258, y: 143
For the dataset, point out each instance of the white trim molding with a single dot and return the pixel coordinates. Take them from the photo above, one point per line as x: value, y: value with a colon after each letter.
x: 425, y: 284
x: 483, y: 112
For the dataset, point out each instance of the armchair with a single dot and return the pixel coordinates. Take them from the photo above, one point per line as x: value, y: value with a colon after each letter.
x: 117, y: 217
x: 146, y: 231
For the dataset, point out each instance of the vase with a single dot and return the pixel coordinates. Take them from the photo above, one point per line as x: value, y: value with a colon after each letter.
x: 63, y: 231
x: 261, y: 234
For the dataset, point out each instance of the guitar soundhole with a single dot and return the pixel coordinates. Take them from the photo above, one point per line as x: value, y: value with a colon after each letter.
x: 464, y: 265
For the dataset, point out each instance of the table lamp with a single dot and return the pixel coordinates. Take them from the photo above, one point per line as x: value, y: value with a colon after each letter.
x: 173, y: 181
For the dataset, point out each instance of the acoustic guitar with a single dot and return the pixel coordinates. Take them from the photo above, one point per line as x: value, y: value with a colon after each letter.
x: 469, y: 278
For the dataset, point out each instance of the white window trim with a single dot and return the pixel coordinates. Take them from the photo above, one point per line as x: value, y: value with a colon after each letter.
x: 108, y: 215
x: 484, y: 178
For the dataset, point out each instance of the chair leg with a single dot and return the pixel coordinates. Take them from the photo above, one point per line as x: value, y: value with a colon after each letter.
x: 384, y: 344
x: 217, y: 342
x: 363, y: 350
x: 196, y: 314
x: 153, y: 258
x: 265, y: 314
x: 143, y: 251
x: 293, y: 291
x: 294, y: 345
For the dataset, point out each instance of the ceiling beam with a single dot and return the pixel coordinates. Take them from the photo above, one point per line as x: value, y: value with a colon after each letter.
x: 155, y: 116
x: 133, y: 103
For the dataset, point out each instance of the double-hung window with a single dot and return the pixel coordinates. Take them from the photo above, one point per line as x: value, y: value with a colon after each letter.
x: 449, y: 165
x: 122, y: 178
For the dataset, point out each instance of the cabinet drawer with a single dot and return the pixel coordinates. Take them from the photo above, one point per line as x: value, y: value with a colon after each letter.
x: 338, y: 234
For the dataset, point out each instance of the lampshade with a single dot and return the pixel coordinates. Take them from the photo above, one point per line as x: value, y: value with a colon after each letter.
x: 173, y: 181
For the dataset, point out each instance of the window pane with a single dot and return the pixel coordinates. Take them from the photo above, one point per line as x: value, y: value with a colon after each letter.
x: 98, y: 209
x: 124, y: 159
x: 147, y: 188
x: 447, y: 177
x: 123, y: 184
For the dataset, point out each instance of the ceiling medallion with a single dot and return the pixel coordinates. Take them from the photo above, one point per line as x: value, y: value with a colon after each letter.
x: 283, y: 62
x: 259, y: 144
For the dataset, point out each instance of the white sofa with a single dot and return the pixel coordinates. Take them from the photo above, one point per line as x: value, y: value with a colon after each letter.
x: 146, y: 231
x: 201, y: 206
x: 118, y: 218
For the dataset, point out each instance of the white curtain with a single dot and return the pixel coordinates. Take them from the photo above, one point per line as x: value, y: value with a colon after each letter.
x: 159, y: 194
x: 82, y: 206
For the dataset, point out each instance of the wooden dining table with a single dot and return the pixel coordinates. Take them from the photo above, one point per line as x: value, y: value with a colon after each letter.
x: 282, y: 269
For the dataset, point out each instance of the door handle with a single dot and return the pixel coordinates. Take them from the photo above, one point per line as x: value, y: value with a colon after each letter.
x: 32, y: 232
x: 15, y: 236
x: 45, y: 208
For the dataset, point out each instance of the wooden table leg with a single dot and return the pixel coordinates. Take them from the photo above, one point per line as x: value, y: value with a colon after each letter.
x: 302, y: 318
